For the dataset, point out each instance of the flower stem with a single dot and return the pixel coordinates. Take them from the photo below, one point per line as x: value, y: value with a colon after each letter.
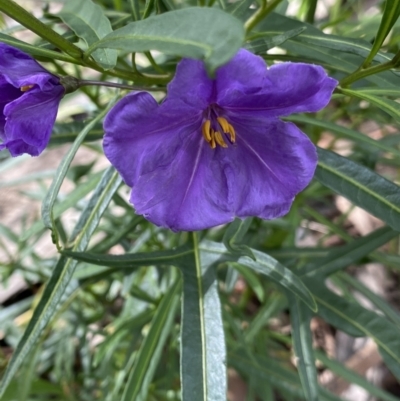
x: 82, y: 82
x: 260, y: 14
x: 19, y: 14
x: 362, y: 73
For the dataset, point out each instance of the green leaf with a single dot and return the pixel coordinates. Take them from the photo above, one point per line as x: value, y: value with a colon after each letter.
x: 174, y: 257
x: 266, y: 369
x: 19, y: 14
x: 300, y: 317
x: 269, y: 40
x: 234, y: 235
x: 211, y: 253
x: 346, y: 45
x: 375, y: 299
x: 203, y: 354
x: 263, y: 264
x: 344, y: 256
x: 148, y: 356
x: 352, y: 377
x: 200, y: 33
x: 281, y: 275
x: 48, y: 202
x: 61, y: 276
x: 88, y: 22
x: 353, y: 318
x: 389, y: 106
x: 71, y: 200
x: 382, y: 90
x: 35, y: 50
x: 389, y: 17
x: 275, y: 303
x: 358, y: 137
x: 68, y: 132
x: 361, y: 186
x: 252, y: 280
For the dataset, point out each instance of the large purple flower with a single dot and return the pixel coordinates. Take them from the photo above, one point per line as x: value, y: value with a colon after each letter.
x: 215, y: 148
x: 29, y: 98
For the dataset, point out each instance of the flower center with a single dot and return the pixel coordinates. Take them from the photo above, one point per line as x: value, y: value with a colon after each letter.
x: 214, y: 133
x: 25, y: 88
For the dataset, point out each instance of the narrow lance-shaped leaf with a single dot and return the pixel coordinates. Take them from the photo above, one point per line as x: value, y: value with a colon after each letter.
x: 48, y: 202
x: 199, y: 33
x: 359, y: 138
x: 300, y: 317
x: 353, y: 318
x: 18, y: 13
x: 352, y: 377
x: 361, y: 186
x: 212, y: 252
x: 88, y: 21
x: 281, y: 378
x: 389, y: 17
x: 149, y: 354
x: 345, y: 255
x: 35, y: 50
x: 203, y: 354
x: 61, y: 277
x: 389, y: 106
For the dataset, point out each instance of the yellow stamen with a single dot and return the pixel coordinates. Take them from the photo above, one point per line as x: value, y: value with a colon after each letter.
x: 25, y: 88
x: 206, y: 130
x: 224, y: 124
x: 212, y: 142
x: 219, y: 139
x: 214, y: 138
x: 227, y: 128
x: 232, y: 134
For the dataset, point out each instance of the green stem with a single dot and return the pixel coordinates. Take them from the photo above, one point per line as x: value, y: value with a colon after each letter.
x: 359, y: 74
x: 116, y: 85
x: 260, y: 14
x: 396, y: 60
x: 19, y: 14
x: 311, y: 11
x: 153, y: 63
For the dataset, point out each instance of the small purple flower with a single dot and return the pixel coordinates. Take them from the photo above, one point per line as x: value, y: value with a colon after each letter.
x: 215, y: 148
x: 29, y: 98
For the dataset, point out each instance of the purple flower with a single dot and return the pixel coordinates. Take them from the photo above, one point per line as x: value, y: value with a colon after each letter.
x: 215, y: 148
x: 29, y: 98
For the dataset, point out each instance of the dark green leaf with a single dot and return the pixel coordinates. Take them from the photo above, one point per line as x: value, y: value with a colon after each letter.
x: 352, y: 318
x: 390, y: 16
x: 344, y: 256
x: 234, y: 235
x: 389, y: 106
x: 358, y: 137
x: 136, y: 388
x: 300, y: 317
x: 361, y: 186
x: 200, y: 33
x: 48, y: 203
x: 203, y: 355
x: 88, y: 22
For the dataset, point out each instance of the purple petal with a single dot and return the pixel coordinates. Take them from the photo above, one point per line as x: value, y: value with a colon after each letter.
x: 271, y: 162
x: 7, y: 94
x: 289, y: 88
x: 191, y: 193
x: 20, y: 69
x: 30, y: 120
x: 191, y: 84
x: 246, y: 72
x: 19, y: 147
x: 141, y: 136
